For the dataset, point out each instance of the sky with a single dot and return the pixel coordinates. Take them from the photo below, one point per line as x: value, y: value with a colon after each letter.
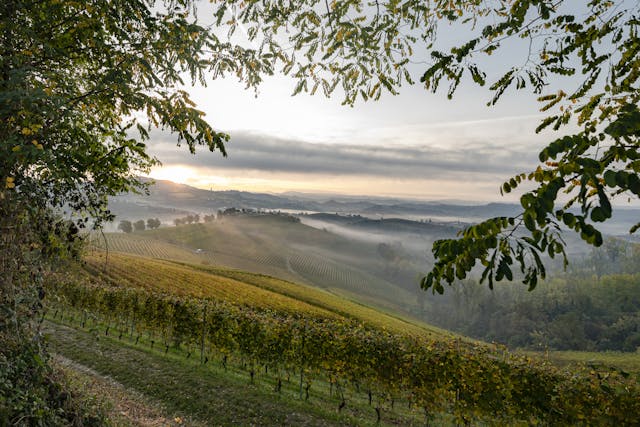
x: 415, y: 145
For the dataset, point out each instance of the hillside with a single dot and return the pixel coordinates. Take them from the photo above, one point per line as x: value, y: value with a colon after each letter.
x: 281, y: 247
x: 239, y: 287
x: 157, y: 323
x: 168, y: 200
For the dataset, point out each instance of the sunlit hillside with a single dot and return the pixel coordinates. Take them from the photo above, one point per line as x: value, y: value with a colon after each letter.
x: 242, y: 288
x: 282, y: 247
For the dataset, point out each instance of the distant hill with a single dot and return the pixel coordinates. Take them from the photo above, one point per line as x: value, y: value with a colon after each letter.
x: 168, y: 200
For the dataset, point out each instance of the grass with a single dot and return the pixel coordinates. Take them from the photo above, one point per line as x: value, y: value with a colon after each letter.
x: 629, y: 362
x: 211, y: 395
x: 121, y: 407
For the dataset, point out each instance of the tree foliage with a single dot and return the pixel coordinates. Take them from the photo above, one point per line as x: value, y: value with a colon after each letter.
x: 580, y: 58
x: 153, y: 223
x: 139, y: 225
x: 82, y: 83
x: 580, y: 173
x: 126, y: 226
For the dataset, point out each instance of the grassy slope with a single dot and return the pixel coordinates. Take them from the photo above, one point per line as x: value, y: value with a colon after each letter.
x: 212, y: 395
x: 123, y: 407
x: 278, y: 247
x: 242, y: 288
x: 203, y: 393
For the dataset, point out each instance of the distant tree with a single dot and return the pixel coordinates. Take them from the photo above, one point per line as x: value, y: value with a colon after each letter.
x: 139, y: 225
x: 178, y: 221
x: 196, y: 218
x: 125, y: 226
x: 153, y: 223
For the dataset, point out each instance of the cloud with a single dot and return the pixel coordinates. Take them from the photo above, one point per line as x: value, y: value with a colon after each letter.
x: 470, y: 158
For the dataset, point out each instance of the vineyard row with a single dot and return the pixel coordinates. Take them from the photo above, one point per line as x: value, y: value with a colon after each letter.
x: 470, y: 381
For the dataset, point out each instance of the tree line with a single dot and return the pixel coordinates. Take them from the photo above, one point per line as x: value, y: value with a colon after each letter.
x: 140, y: 225
x: 593, y: 306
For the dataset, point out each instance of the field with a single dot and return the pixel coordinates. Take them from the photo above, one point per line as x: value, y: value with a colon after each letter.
x: 278, y: 247
x: 239, y: 287
x: 313, y: 341
x: 310, y: 345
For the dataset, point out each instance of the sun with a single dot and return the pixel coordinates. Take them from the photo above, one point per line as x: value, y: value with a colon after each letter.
x: 178, y: 174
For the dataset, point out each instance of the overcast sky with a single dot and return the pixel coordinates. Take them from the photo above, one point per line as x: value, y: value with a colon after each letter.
x: 416, y: 144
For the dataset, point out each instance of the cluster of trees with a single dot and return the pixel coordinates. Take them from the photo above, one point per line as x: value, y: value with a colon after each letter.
x: 189, y: 219
x: 139, y: 225
x: 566, y: 313
x: 195, y: 218
x: 594, y: 306
x: 240, y: 212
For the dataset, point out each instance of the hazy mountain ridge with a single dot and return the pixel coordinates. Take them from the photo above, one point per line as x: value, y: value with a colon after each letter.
x: 167, y: 198
x: 168, y: 194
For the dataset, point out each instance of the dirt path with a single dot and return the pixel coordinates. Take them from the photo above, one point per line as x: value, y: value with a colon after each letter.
x: 149, y: 389
x: 125, y: 407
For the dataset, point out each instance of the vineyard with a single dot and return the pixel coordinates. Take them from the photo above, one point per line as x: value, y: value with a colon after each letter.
x: 273, y: 246
x: 237, y: 287
x: 227, y: 320
x: 167, y: 277
x: 142, y: 245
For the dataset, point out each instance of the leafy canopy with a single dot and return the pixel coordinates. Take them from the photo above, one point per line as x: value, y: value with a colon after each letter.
x: 83, y: 82
x: 589, y: 48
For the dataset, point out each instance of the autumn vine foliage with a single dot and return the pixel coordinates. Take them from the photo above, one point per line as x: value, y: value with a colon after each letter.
x: 474, y: 382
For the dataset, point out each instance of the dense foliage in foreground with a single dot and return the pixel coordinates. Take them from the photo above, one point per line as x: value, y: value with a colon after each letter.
x: 32, y: 241
x: 473, y: 382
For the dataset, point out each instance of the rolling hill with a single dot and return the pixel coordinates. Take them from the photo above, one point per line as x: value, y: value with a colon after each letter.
x: 282, y: 247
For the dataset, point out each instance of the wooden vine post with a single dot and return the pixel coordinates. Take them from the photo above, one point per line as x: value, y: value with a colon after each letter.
x: 302, y: 355
x: 204, y: 333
